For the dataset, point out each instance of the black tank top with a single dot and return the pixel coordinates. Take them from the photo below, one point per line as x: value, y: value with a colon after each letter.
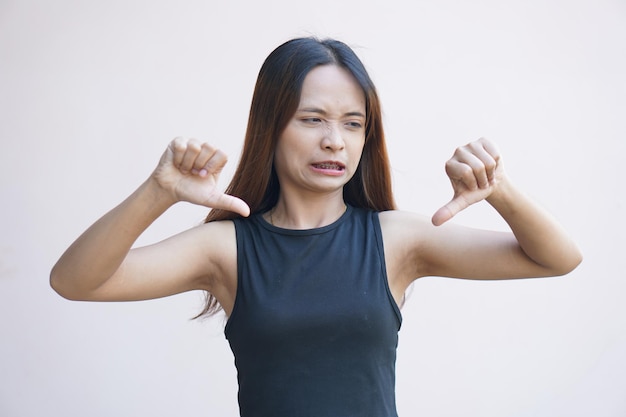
x: 314, y: 328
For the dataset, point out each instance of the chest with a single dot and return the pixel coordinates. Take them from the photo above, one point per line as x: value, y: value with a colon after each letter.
x: 326, y: 286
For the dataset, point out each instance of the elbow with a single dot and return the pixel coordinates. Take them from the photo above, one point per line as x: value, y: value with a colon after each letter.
x: 576, y: 259
x: 56, y: 283
x: 62, y: 287
x: 569, y: 263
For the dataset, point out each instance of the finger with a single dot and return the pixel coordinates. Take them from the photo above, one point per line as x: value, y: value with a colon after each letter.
x: 490, y: 147
x: 216, y: 162
x: 189, y: 157
x: 461, y: 172
x: 450, y: 210
x: 178, y: 146
x: 490, y: 155
x: 441, y: 216
x: 482, y: 166
x: 230, y: 203
x: 480, y: 162
x: 202, y: 160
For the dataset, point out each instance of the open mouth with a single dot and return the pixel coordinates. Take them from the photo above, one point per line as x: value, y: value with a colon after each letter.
x: 333, y: 166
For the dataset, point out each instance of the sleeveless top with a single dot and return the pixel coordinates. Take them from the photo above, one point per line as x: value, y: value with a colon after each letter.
x: 314, y: 327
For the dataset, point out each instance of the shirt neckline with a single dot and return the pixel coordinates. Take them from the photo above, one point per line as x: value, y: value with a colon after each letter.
x: 303, y: 232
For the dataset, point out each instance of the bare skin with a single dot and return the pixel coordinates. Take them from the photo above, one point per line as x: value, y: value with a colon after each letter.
x: 316, y: 156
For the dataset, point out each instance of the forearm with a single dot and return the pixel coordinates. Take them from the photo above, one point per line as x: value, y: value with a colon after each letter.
x: 539, y: 235
x: 100, y: 251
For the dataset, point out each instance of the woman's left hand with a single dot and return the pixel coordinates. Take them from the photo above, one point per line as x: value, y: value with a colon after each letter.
x: 474, y: 171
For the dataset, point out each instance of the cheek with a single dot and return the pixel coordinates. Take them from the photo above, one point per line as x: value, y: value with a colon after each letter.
x: 286, y: 155
x: 283, y: 148
x: 356, y: 150
x: 279, y: 160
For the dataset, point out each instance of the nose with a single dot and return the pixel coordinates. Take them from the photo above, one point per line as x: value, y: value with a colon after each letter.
x: 332, y: 140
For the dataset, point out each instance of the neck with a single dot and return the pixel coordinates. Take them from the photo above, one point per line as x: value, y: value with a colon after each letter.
x: 306, y: 214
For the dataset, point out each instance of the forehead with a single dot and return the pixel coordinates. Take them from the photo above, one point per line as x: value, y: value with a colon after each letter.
x: 332, y: 87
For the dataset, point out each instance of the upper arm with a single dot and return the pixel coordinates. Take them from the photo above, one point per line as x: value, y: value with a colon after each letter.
x: 415, y: 248
x: 200, y: 258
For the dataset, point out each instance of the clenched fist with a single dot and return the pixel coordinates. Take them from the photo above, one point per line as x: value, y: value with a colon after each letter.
x: 475, y: 171
x: 189, y: 171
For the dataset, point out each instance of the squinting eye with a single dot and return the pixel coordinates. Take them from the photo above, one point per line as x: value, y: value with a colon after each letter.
x: 355, y: 125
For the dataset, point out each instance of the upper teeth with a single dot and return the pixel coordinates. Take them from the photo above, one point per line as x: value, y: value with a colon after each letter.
x: 329, y: 166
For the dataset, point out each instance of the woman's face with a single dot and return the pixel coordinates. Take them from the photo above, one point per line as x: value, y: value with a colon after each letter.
x: 320, y: 148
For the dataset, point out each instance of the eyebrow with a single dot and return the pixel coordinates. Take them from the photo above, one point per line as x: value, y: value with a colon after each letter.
x: 324, y: 113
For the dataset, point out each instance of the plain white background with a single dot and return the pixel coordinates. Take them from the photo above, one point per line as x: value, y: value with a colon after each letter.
x: 91, y: 93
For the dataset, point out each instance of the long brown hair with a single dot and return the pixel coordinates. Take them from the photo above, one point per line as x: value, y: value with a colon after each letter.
x: 275, y: 100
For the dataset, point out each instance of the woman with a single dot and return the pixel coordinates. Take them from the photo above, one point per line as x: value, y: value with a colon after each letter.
x: 305, y: 252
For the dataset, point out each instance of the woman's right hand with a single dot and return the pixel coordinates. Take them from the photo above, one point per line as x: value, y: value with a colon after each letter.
x: 189, y: 171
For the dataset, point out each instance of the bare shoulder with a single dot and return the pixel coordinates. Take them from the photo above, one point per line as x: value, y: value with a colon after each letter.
x: 214, y: 249
x: 404, y: 233
x: 218, y: 245
x: 404, y: 228
x: 400, y: 219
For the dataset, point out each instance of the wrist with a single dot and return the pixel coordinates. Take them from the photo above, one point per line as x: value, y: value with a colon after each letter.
x: 156, y: 196
x: 504, y: 194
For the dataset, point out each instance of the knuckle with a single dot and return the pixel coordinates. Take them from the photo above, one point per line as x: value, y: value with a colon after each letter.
x: 221, y: 155
x: 477, y: 167
x: 466, y: 172
x: 475, y: 145
x: 194, y: 146
x: 207, y: 147
x: 179, y: 143
x: 449, y: 166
